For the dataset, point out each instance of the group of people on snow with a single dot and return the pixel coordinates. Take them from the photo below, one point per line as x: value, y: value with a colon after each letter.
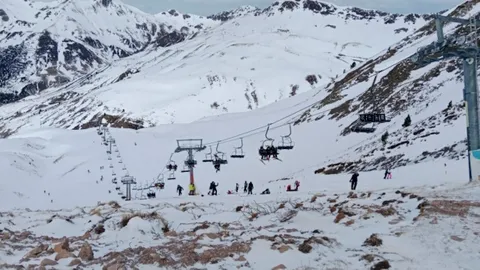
x: 248, y: 186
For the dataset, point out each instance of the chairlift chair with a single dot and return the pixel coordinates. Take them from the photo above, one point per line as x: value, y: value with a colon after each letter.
x: 219, y: 157
x: 120, y: 193
x: 109, y: 158
x: 111, y: 166
x: 287, y: 143
x: 120, y: 161
x: 266, y: 151
x: 185, y: 169
x: 238, y: 151
x: 171, y: 166
x: 208, y: 156
x: 151, y: 195
x: 116, y: 150
x: 117, y: 188
x: 171, y: 176
x: 124, y: 197
x: 113, y: 174
x: 118, y: 156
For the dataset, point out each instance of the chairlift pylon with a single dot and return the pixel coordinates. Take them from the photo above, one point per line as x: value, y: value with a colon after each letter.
x: 238, y: 151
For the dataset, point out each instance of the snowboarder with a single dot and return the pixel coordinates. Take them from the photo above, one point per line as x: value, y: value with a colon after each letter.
x: 354, y: 180
x: 266, y: 191
x: 179, y: 190
x: 250, y: 188
x: 245, y: 186
x: 236, y: 188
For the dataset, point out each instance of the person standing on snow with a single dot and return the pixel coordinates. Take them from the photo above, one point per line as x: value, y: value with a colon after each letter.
x: 179, y: 190
x: 236, y: 188
x: 213, y: 188
x: 354, y: 180
x: 191, y: 189
x: 250, y: 188
x: 245, y: 186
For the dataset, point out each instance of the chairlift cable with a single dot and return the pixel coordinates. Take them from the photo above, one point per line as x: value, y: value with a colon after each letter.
x: 261, y: 129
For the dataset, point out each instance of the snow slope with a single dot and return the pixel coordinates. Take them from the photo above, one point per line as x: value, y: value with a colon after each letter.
x: 53, y: 178
x: 218, y: 67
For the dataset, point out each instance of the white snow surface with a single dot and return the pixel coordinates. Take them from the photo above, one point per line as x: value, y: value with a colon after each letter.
x: 53, y: 178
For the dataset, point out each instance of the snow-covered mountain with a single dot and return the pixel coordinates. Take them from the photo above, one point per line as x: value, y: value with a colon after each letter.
x: 209, y: 67
x: 46, y: 45
x: 282, y: 66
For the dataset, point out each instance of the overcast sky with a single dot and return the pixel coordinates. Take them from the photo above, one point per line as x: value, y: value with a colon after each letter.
x: 207, y: 7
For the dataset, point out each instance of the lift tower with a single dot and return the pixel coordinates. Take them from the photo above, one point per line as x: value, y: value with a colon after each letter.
x: 190, y: 145
x: 128, y: 181
x: 466, y: 48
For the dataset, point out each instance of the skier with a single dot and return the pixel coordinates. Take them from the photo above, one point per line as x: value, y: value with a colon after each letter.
x: 386, y: 174
x: 179, y: 190
x: 236, y: 188
x: 245, y: 186
x: 250, y: 188
x: 213, y: 188
x: 354, y: 180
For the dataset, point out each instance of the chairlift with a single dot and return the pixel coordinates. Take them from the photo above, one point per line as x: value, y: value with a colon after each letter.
x: 373, y: 117
x: 151, y: 195
x: 171, y: 176
x: 113, y: 174
x: 124, y: 197
x: 109, y: 158
x: 124, y: 168
x: 287, y: 143
x: 114, y: 180
x: 238, y: 151
x: 116, y: 150
x: 120, y: 193
x: 267, y: 151
x: 208, y: 156
x: 120, y: 161
x: 118, y: 156
x: 109, y: 152
x: 172, y: 166
x: 185, y: 169
x: 219, y: 159
x: 117, y: 188
x: 111, y: 166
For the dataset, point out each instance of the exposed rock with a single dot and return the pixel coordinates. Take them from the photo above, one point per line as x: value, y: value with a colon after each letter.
x: 283, y: 248
x: 86, y: 252
x: 373, y: 241
x: 339, y: 217
x: 75, y: 262
x: 383, y: 265
x: 305, y: 247
x: 241, y: 259
x: 34, y: 253
x: 62, y: 246
x: 63, y: 254
x: 46, y: 262
x: 279, y: 267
